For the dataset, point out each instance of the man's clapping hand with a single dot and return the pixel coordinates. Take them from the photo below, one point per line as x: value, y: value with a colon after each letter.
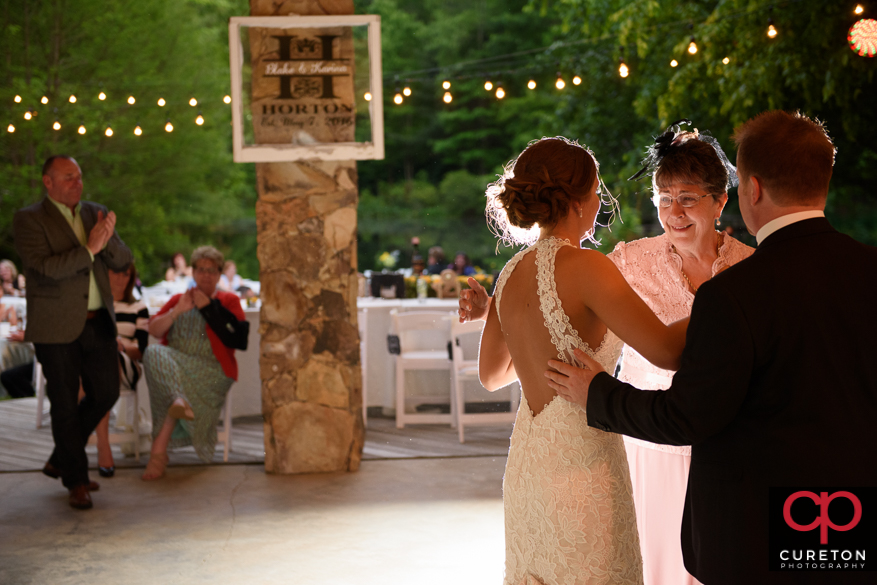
x: 101, y: 232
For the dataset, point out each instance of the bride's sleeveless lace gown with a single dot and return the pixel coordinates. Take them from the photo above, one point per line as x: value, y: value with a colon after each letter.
x: 569, y: 514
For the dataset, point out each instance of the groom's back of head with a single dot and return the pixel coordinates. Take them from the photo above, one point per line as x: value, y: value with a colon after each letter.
x: 789, y: 153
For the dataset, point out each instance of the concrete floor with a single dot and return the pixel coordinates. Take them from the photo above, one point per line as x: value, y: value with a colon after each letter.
x: 415, y: 521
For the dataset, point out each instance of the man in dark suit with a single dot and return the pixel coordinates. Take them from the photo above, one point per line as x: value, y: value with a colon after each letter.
x: 66, y: 246
x: 777, y: 386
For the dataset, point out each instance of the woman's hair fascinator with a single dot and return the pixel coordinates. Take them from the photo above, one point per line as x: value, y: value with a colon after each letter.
x: 673, y: 137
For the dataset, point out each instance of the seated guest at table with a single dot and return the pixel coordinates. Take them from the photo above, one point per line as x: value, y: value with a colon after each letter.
x: 9, y: 279
x: 18, y: 380
x: 230, y: 280
x: 132, y: 317
x: 8, y: 314
x: 181, y: 269
x: 435, y: 260
x: 192, y: 370
x: 462, y: 265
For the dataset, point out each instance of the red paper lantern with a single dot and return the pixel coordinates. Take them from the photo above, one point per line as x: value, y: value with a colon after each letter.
x: 863, y: 37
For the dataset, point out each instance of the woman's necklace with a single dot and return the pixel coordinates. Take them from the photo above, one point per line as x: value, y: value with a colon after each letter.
x: 685, y: 276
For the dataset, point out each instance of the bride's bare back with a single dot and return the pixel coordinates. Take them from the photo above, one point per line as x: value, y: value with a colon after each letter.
x: 523, y: 324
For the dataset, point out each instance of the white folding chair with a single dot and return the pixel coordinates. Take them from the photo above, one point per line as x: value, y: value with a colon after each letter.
x: 423, y: 344
x: 224, y: 436
x: 118, y: 435
x: 464, y: 348
x: 362, y: 322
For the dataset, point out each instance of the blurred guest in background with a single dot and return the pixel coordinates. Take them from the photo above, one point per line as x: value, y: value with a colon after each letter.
x: 435, y: 260
x: 192, y: 370
x: 230, y: 280
x: 181, y: 270
x: 9, y: 279
x: 462, y: 265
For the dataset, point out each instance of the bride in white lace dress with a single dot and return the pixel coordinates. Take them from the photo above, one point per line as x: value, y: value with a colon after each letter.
x: 569, y: 511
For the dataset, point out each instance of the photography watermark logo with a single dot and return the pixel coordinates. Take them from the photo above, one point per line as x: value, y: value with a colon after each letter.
x: 823, y: 529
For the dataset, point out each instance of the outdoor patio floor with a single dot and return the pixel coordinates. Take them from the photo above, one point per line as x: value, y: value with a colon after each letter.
x: 422, y: 509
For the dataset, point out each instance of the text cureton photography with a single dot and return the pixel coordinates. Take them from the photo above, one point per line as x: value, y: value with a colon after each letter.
x: 821, y: 529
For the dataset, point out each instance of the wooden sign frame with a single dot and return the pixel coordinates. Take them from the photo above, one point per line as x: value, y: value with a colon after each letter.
x: 370, y: 150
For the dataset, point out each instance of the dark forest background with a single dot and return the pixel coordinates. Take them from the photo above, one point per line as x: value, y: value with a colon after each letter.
x: 174, y: 191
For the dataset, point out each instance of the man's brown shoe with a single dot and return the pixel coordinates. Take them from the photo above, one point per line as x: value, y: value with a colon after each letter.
x: 55, y: 473
x: 80, y: 498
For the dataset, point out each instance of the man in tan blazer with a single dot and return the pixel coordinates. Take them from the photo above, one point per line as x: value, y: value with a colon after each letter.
x: 66, y: 246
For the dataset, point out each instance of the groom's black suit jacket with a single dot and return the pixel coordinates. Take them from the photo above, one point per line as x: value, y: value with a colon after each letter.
x: 777, y: 388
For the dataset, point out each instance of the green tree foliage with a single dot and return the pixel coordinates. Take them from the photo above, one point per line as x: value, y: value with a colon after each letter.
x: 171, y: 191
x: 807, y: 66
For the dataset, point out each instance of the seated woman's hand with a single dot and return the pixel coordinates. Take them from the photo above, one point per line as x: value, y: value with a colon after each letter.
x: 199, y: 298
x: 185, y: 303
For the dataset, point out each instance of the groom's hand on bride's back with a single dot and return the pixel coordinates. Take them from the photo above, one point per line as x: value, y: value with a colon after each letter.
x: 474, y: 303
x: 571, y: 382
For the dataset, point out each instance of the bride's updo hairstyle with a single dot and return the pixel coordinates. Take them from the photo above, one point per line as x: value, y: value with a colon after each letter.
x: 538, y: 188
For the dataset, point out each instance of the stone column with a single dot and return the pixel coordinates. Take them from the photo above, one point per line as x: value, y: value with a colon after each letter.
x: 306, y: 220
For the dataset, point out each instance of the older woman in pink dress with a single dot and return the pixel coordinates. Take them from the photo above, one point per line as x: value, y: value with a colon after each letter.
x: 690, y: 179
x: 690, y: 183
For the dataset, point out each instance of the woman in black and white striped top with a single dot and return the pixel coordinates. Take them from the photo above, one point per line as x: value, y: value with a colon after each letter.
x: 132, y: 319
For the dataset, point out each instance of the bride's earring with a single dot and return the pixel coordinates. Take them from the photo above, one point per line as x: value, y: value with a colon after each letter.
x: 580, y: 211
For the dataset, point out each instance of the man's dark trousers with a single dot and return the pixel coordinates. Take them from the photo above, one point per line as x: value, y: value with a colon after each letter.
x: 93, y: 357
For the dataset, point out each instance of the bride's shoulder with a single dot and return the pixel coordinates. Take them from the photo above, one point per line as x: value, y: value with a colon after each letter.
x: 583, y: 259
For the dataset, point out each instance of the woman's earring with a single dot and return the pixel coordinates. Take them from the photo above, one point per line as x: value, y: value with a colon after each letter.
x: 718, y: 222
x: 580, y: 211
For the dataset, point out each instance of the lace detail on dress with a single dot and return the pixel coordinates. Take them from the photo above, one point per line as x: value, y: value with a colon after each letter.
x: 654, y: 271
x: 568, y: 502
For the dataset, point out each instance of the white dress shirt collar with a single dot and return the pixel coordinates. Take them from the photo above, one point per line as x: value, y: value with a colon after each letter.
x: 784, y: 220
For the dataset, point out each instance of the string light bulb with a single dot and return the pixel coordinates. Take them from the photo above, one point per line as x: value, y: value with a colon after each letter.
x: 200, y: 119
x: 859, y: 9
x: 10, y: 128
x: 131, y: 100
x: 138, y: 130
x: 161, y: 102
x: 28, y: 115
x: 623, y: 70
x: 446, y: 84
x: 108, y: 132
x: 397, y: 99
x: 227, y: 99
x: 406, y: 91
x: 101, y: 96
x: 692, y: 47
x: 771, y: 29
x: 193, y: 102
x: 44, y: 100
x: 488, y: 85
x: 168, y: 127
x: 500, y: 92
x: 447, y: 98
x: 367, y: 96
x: 72, y: 99
x: 81, y: 129
x: 531, y: 84
x: 674, y: 63
x: 576, y: 80
x: 17, y: 100
x: 56, y: 125
x: 726, y: 60
x: 560, y: 83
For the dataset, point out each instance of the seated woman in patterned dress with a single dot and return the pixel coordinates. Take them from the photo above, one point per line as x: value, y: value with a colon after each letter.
x: 192, y: 370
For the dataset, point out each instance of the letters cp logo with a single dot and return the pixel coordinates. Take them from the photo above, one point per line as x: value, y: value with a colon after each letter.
x: 822, y: 521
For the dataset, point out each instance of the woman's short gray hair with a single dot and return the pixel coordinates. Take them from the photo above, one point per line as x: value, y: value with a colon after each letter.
x: 207, y: 253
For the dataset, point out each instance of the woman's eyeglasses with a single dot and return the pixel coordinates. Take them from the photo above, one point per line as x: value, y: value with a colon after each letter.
x: 200, y: 270
x: 685, y: 200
